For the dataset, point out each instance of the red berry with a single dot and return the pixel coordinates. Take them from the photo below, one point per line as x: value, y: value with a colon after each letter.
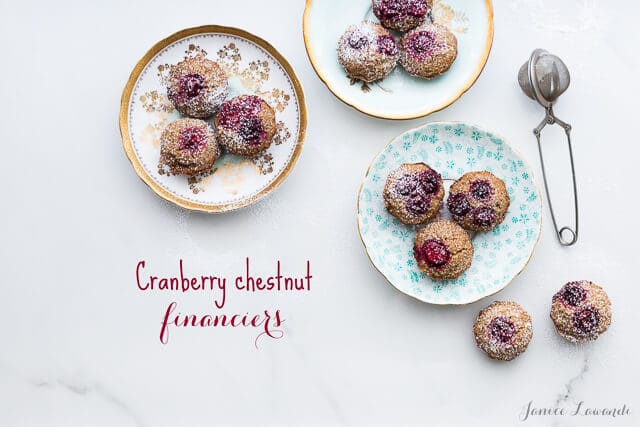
x: 251, y: 131
x: 458, y: 205
x: 192, y: 139
x: 422, y: 44
x: 190, y: 85
x: 387, y: 45
x: 572, y: 294
x: 400, y: 9
x: 501, y: 329
x: 358, y: 41
x: 481, y: 189
x: 483, y: 216
x: 433, y: 252
x: 430, y: 181
x: 586, y: 320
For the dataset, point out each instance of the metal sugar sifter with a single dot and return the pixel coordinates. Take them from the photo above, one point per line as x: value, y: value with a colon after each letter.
x: 544, y: 78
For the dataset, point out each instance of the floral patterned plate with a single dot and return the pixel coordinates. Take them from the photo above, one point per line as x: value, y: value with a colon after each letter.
x: 253, y: 67
x: 452, y: 149
x: 399, y: 95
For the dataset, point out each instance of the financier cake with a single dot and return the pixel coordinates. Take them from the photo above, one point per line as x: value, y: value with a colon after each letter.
x: 413, y: 193
x: 478, y: 201
x: 428, y: 51
x: 401, y: 15
x: 367, y: 51
x: 246, y: 125
x: 443, y: 250
x: 503, y: 330
x: 197, y: 87
x: 581, y: 311
x: 188, y: 147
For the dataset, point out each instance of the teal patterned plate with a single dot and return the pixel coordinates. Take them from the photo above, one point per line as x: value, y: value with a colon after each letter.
x: 452, y: 149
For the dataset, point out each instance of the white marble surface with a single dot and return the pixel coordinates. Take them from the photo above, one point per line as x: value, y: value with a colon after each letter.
x: 80, y: 342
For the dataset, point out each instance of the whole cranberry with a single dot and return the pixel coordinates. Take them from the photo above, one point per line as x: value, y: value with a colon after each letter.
x: 572, y: 294
x: 433, y: 252
x: 192, y: 139
x: 458, y: 205
x: 418, y: 203
x: 407, y: 184
x: 483, y: 216
x: 358, y: 41
x: 430, y: 181
x: 586, y: 320
x: 481, y: 190
x: 422, y: 44
x: 390, y: 9
x: 387, y: 45
x: 501, y: 329
x: 417, y: 8
x: 190, y: 85
x: 251, y: 131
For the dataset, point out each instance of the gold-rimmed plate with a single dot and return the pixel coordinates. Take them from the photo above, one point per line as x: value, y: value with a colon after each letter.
x: 253, y: 67
x: 453, y: 149
x: 399, y: 96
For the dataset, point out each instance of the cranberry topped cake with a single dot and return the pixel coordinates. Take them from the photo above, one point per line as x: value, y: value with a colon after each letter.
x: 503, y: 330
x: 246, y: 125
x: 197, y: 87
x: 581, y: 311
x: 478, y: 201
x: 402, y: 15
x: 443, y: 250
x: 428, y: 51
x: 413, y: 193
x: 367, y: 51
x: 188, y: 147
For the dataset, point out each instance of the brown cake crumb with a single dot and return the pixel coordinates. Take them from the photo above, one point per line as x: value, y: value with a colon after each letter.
x: 428, y: 51
x: 413, y: 193
x: 503, y: 330
x: 443, y: 250
x: 478, y: 201
x: 367, y: 51
x: 581, y: 311
x: 187, y: 147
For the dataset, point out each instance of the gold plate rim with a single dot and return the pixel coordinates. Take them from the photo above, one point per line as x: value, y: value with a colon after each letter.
x: 366, y: 249
x: 126, y: 136
x: 383, y: 115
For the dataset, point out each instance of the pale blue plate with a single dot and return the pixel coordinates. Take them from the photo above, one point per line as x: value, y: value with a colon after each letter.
x: 452, y: 149
x: 399, y: 95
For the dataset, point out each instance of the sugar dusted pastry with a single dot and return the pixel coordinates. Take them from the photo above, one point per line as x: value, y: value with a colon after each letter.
x: 443, y: 250
x: 367, y: 51
x: 401, y: 15
x: 478, y: 201
x: 581, y: 311
x: 428, y: 51
x: 188, y: 147
x: 197, y: 87
x: 246, y: 125
x: 413, y: 193
x: 503, y: 330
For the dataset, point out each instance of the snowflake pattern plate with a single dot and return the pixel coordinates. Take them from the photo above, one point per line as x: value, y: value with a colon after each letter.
x: 452, y: 149
x: 399, y: 96
x: 253, y: 66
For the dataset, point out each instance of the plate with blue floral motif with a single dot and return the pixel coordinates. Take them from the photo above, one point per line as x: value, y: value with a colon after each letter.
x: 452, y: 149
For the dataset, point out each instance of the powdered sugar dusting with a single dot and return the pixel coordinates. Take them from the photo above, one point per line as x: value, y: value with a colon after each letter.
x: 367, y: 51
x: 197, y: 87
x: 401, y: 15
x: 581, y: 311
x: 246, y: 125
x: 503, y: 330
